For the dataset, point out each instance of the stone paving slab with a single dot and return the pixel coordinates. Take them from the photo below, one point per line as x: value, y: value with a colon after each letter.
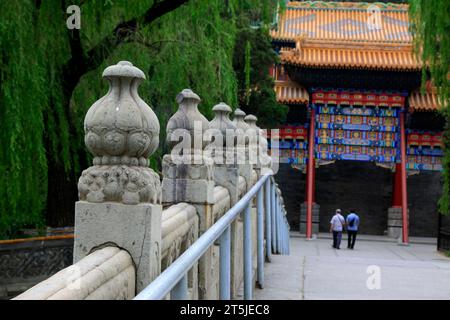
x: 369, y: 237
x: 314, y: 270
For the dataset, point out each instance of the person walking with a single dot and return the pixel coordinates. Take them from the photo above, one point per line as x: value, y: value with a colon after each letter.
x: 337, y: 225
x: 352, y: 228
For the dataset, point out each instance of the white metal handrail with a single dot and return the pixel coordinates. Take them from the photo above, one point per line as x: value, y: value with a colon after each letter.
x: 174, y: 277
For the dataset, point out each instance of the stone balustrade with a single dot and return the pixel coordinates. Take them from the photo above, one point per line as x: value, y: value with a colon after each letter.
x: 129, y: 224
x: 179, y: 231
x: 222, y: 202
x: 106, y: 274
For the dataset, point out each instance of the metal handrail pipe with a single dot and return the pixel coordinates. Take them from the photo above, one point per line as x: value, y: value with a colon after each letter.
x: 165, y: 282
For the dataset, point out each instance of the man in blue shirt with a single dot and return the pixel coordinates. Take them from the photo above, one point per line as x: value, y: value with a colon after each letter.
x: 352, y: 228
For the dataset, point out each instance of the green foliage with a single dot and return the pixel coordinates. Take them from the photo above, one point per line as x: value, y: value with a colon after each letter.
x: 247, y: 70
x: 41, y: 115
x: 183, y: 50
x: 431, y: 26
x: 23, y: 95
x: 256, y: 94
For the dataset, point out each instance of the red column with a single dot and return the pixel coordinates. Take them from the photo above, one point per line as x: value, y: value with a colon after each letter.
x: 397, y: 187
x: 313, y: 184
x: 403, y: 178
x: 310, y: 175
x: 272, y: 72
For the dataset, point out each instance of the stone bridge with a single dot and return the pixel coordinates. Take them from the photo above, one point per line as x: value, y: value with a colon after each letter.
x: 131, y: 225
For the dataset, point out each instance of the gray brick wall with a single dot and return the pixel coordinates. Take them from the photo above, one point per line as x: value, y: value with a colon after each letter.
x: 366, y: 188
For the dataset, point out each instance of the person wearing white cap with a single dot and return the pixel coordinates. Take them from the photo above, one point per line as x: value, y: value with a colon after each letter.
x: 337, y: 225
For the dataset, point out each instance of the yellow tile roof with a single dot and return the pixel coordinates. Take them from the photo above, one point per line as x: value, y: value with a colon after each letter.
x: 347, y: 35
x: 289, y: 92
x: 427, y: 101
x: 344, y: 21
x: 352, y: 58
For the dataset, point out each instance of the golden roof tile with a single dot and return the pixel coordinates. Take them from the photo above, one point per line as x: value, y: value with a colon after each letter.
x: 344, y: 21
x: 427, y: 101
x: 352, y: 58
x: 347, y: 35
x: 289, y: 92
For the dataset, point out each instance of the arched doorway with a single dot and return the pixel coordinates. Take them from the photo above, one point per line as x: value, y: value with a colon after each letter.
x: 357, y: 185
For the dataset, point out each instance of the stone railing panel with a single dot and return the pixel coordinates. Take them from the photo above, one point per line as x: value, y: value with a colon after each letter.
x: 221, y: 202
x: 106, y: 274
x: 242, y: 186
x: 179, y: 230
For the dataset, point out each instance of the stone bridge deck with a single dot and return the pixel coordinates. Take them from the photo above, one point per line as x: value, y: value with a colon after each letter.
x: 314, y: 270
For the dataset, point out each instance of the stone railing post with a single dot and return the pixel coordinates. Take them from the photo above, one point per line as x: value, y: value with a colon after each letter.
x: 226, y: 172
x: 242, y: 147
x: 120, y: 196
x: 246, y: 140
x: 188, y: 175
x: 258, y: 146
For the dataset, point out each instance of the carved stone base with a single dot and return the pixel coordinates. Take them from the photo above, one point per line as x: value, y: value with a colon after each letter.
x: 315, y: 218
x: 186, y: 190
x: 395, y: 222
x: 119, y: 183
x: 185, y: 182
x: 137, y: 229
x: 187, y: 167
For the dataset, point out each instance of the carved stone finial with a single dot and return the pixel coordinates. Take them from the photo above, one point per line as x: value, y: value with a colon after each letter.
x: 238, y: 112
x: 261, y: 141
x: 187, y: 172
x: 251, y: 120
x: 188, y: 95
x: 121, y: 128
x: 222, y: 121
x: 239, y: 121
x: 121, y: 131
x: 253, y: 129
x: 187, y: 117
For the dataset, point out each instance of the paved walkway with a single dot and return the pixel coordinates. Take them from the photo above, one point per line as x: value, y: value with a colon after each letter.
x: 314, y: 270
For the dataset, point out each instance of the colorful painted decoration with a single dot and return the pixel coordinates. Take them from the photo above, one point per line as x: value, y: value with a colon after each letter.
x: 372, y: 99
x: 360, y: 153
x: 293, y: 144
x: 424, y: 150
x: 354, y: 137
x: 361, y: 111
x: 364, y: 133
x: 360, y: 126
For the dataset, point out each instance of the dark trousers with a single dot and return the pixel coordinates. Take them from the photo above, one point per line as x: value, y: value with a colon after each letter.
x: 337, y: 236
x: 351, y: 238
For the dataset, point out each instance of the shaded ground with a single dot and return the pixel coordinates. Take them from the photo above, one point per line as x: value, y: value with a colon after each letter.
x: 316, y: 271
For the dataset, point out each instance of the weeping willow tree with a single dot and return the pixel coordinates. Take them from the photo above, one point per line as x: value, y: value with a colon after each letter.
x: 431, y: 26
x: 253, y: 57
x: 50, y: 76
